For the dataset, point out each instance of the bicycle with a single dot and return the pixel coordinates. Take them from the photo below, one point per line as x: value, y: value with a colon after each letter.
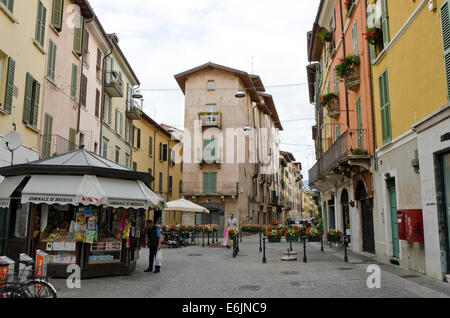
x: 26, y: 285
x: 235, y: 246
x: 339, y: 244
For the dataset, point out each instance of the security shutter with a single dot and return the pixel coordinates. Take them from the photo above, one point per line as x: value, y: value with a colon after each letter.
x: 445, y: 24
x: 57, y: 14
x: 386, y: 127
x: 28, y: 99
x: 9, y: 93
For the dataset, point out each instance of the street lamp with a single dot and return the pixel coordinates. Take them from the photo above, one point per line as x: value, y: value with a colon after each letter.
x: 137, y: 94
x: 240, y: 94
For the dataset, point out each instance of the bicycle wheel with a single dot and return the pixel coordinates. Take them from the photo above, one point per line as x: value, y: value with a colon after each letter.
x: 39, y: 289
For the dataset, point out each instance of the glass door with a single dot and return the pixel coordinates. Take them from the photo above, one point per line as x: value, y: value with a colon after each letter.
x: 446, y: 203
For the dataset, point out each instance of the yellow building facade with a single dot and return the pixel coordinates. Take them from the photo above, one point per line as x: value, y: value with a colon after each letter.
x: 23, y: 46
x: 156, y: 152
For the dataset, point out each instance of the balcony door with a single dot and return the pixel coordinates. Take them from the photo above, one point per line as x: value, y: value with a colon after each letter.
x: 209, y: 182
x: 211, y: 117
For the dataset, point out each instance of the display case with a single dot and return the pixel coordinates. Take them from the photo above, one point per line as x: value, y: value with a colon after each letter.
x: 105, y: 252
x: 60, y: 253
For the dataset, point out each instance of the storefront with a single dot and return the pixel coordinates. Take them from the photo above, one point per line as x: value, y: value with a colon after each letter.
x: 78, y: 208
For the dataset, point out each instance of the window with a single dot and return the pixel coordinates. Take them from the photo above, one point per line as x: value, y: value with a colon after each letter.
x: 57, y: 14
x: 97, y: 103
x: 78, y: 36
x: 40, y: 23
x: 180, y: 186
x: 127, y: 160
x: 162, y: 152
x: 117, y: 154
x: 385, y: 106
x: 385, y: 32
x: 209, y: 182
x: 135, y: 166
x: 9, y: 92
x: 86, y: 54
x: 74, y: 82
x: 99, y: 64
x: 105, y: 148
x: 31, y: 103
x: 211, y: 85
x: 150, y: 146
x: 210, y: 149
x: 172, y: 158
x: 138, y: 138
x: 170, y: 184
x: 51, y: 60
x: 355, y: 39
x: 445, y: 25
x: 83, y: 90
x: 211, y: 108
x: 72, y: 138
x: 9, y: 4
x: 116, y: 120
x: 165, y: 152
x: 121, y: 124
x: 160, y: 185
x: 82, y: 141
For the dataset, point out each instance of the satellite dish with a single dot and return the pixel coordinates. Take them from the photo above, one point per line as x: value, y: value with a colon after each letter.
x: 12, y: 140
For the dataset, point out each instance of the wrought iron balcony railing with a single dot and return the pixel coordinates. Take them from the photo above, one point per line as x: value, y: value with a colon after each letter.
x: 218, y: 189
x: 211, y: 119
x: 354, y: 142
x: 113, y: 84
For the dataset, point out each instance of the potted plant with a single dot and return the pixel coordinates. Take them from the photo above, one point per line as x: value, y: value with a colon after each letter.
x: 373, y: 35
x: 293, y: 233
x: 359, y: 152
x: 329, y: 101
x: 274, y: 235
x: 313, y: 234
x: 347, y: 66
x: 233, y: 231
x: 326, y: 36
x: 334, y: 235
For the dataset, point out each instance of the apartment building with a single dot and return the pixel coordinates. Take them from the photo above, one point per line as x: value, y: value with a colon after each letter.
x: 228, y: 163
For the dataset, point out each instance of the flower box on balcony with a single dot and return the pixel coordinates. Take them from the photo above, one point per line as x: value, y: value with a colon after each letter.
x: 350, y: 6
x: 348, y: 70
x: 134, y: 113
x: 331, y: 102
x: 326, y: 36
x: 353, y: 80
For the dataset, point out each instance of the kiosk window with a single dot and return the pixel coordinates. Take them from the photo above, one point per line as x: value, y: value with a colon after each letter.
x: 20, y: 229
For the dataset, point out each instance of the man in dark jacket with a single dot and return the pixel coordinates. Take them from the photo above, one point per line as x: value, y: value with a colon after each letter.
x: 153, y: 240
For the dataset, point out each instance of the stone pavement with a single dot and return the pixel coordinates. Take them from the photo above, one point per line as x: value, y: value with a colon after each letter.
x: 196, y: 272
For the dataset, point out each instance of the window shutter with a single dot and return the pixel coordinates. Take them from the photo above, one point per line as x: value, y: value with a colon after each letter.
x: 28, y: 101
x: 160, y: 151
x: 97, y: 103
x: 78, y: 36
x: 373, y: 53
x: 139, y: 139
x: 116, y: 123
x: 355, y: 39
x: 10, y: 85
x: 72, y: 137
x: 359, y: 123
x: 334, y: 20
x: 385, y: 23
x: 445, y: 24
x: 51, y: 60
x: 57, y: 14
x: 205, y: 182
x: 164, y: 152
x: 37, y: 91
x: 74, y: 82
x: 213, y: 182
x: 150, y: 146
x: 47, y: 138
x: 83, y: 89
x: 40, y: 23
x: 336, y: 83
x: 385, y: 108
x: 128, y: 96
x: 86, y: 44
x: 9, y: 4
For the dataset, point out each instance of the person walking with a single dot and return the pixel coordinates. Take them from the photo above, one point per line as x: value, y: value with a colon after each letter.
x: 230, y: 223
x: 153, y: 239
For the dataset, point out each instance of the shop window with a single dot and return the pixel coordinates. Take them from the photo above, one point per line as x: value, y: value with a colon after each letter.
x: 20, y: 228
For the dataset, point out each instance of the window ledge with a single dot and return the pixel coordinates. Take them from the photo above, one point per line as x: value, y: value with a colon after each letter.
x: 8, y: 13
x: 54, y: 29
x: 39, y: 46
x: 76, y: 55
x: 52, y: 81
x: 3, y: 111
x: 33, y: 128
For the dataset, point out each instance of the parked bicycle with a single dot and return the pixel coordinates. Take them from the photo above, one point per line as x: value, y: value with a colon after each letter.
x: 26, y: 284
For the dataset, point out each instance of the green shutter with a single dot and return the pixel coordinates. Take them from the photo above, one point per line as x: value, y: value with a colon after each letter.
x: 57, y: 14
x: 35, y: 104
x: 355, y: 39
x: 213, y: 182
x: 336, y: 82
x: 128, y: 97
x: 72, y: 137
x: 51, y: 60
x: 78, y: 36
x: 373, y: 53
x: 445, y: 24
x: 9, y: 4
x: 334, y: 20
x: 28, y: 101
x: 385, y: 23
x: 47, y: 138
x: 74, y: 82
x: 385, y: 107
x: 338, y: 134
x: 9, y: 93
x: 40, y: 23
x: 359, y: 123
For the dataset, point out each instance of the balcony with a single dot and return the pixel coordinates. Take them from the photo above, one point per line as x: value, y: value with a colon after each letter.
x: 113, y: 84
x: 53, y: 145
x: 350, y: 149
x: 353, y: 80
x: 134, y: 113
x: 211, y: 119
x: 219, y: 189
x: 334, y: 108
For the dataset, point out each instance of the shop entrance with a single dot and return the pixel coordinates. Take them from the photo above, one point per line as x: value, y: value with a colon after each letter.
x: 332, y: 214
x: 216, y: 215
x: 394, y: 218
x: 17, y: 227
x: 345, y: 211
x: 367, y: 219
x: 445, y: 204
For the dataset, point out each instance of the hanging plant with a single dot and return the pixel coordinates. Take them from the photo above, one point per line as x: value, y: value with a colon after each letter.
x: 326, y: 36
x: 373, y: 35
x: 328, y: 100
x: 347, y: 66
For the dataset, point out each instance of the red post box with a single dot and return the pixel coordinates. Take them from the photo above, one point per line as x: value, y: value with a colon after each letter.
x: 401, y: 225
x: 414, y: 225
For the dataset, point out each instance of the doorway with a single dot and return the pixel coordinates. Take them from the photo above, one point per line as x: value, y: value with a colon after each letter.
x: 368, y: 233
x: 445, y: 205
x: 332, y: 214
x: 394, y: 218
x: 345, y: 211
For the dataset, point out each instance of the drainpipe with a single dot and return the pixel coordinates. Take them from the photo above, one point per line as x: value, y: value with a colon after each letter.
x: 103, y: 97
x: 344, y: 51
x: 131, y: 136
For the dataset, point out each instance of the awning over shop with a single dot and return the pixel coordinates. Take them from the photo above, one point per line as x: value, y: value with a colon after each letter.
x: 155, y: 200
x: 124, y: 194
x: 7, y: 187
x: 63, y: 190
x: 184, y: 205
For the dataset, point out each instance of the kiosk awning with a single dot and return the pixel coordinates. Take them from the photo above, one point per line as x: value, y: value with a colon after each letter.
x: 124, y: 194
x: 156, y: 201
x: 7, y: 187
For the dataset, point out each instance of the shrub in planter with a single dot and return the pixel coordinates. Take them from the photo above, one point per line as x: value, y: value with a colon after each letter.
x: 326, y: 36
x: 328, y: 100
x: 313, y: 234
x: 334, y: 235
x: 347, y: 66
x: 274, y: 236
x: 373, y: 35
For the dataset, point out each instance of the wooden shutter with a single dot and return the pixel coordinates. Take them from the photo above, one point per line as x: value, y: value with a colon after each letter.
x: 40, y: 23
x: 51, y: 60
x: 160, y: 151
x: 205, y: 182
x: 355, y: 39
x: 97, y: 103
x: 336, y: 82
x: 138, y: 138
x: 334, y: 20
x: 385, y: 108
x: 35, y: 103
x: 9, y: 93
x: 150, y: 146
x: 86, y: 43
x: 116, y: 123
x: 213, y: 182
x: 385, y: 23
x: 57, y: 14
x: 445, y: 24
x: 83, y: 89
x: 74, y: 82
x: 359, y: 123
x: 160, y: 182
x: 9, y: 4
x: 72, y: 137
x: 78, y: 36
x: 28, y: 99
x: 47, y: 138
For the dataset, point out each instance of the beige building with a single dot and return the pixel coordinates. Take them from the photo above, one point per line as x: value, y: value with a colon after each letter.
x: 224, y: 169
x: 23, y: 46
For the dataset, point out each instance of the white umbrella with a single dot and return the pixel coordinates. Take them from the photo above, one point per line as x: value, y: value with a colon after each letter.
x: 184, y: 205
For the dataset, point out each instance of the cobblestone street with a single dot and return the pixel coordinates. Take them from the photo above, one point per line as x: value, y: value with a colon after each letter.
x: 194, y: 272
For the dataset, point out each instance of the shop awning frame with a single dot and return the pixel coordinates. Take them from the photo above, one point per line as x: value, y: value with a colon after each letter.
x: 7, y: 188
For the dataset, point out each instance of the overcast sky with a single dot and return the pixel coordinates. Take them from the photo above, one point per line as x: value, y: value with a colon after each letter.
x: 164, y: 37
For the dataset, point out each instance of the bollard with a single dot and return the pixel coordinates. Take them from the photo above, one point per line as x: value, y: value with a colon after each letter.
x: 203, y: 243
x: 321, y: 243
x: 217, y: 236
x: 264, y: 260
x: 305, y: 260
x: 240, y: 233
x: 260, y: 242
x: 345, y: 249
x: 208, y: 238
x: 290, y: 245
